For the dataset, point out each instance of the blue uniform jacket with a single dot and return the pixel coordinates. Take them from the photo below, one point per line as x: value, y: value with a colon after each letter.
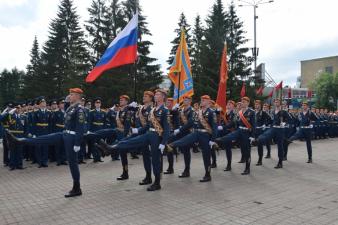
x: 75, y: 121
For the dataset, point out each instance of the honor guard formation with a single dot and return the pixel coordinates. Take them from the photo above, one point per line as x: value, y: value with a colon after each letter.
x: 72, y: 130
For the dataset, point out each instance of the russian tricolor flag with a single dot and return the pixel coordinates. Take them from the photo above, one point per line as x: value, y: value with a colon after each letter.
x: 121, y: 51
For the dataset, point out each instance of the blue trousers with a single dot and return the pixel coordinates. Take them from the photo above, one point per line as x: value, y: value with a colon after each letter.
x: 150, y: 138
x: 15, y: 158
x: 203, y: 139
x: 240, y: 136
x: 305, y: 133
x: 185, y: 150
x: 278, y: 135
x: 58, y: 138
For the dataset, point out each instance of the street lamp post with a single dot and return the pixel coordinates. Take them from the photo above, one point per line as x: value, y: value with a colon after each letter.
x: 254, y: 4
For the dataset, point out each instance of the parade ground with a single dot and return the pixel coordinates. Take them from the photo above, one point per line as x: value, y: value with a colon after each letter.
x: 300, y: 193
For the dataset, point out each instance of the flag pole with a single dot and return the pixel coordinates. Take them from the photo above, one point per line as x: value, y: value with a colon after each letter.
x: 134, y: 72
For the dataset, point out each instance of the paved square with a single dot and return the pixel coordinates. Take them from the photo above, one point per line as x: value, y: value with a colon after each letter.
x: 300, y: 193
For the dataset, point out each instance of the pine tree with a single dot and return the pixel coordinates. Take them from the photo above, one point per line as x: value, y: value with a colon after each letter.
x: 196, y: 55
x: 186, y: 27
x: 65, y: 58
x: 215, y: 35
x: 238, y: 61
x: 148, y: 74
x: 32, y: 83
x: 95, y: 28
x: 11, y: 84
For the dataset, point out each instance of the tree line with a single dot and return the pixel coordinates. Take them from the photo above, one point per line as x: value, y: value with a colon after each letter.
x: 72, y: 50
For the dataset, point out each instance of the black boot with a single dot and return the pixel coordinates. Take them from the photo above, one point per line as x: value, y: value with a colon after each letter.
x: 206, y: 177
x: 228, y: 168
x: 186, y: 173
x: 279, y: 165
x: 214, y: 164
x: 104, y: 148
x: 147, y: 180
x: 259, y: 162
x: 309, y: 161
x: 170, y: 170
x: 156, y: 185
x: 268, y: 156
x: 124, y: 175
x: 247, y: 168
x: 76, y: 191
x: 242, y: 160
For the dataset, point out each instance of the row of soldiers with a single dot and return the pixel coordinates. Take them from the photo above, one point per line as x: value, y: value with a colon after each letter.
x: 131, y: 128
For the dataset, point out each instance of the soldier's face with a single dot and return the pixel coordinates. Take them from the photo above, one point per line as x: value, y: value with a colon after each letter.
x: 169, y: 104
x: 159, y: 97
x: 277, y: 103
x: 205, y: 102
x: 257, y: 106
x: 123, y: 102
x: 98, y: 104
x: 187, y: 102
x: 146, y: 99
x: 61, y: 106
x: 42, y: 104
x: 265, y: 108
x: 74, y: 97
x: 304, y: 106
x: 245, y: 104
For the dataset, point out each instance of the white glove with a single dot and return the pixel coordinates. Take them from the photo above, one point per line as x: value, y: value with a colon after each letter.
x: 211, y: 143
x: 176, y: 106
x: 34, y: 136
x: 5, y: 111
x: 133, y: 104
x: 12, y: 111
x: 176, y: 131
x: 251, y: 139
x: 134, y: 130
x: 76, y: 148
x: 220, y: 128
x: 88, y: 132
x: 113, y: 108
x: 161, y: 147
x: 67, y: 99
x: 283, y: 124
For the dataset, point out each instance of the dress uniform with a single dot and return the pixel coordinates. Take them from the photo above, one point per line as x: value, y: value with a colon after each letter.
x: 279, y: 119
x: 155, y: 135
x: 59, y: 126
x: 42, y: 126
x: 245, y: 130
x: 83, y: 149
x: 305, y: 129
x: 17, y: 126
x: 5, y: 124
x: 186, y: 118
x: 97, y: 120
x: 227, y: 126
x: 71, y: 137
x: 174, y: 123
x: 261, y: 119
x: 204, y: 133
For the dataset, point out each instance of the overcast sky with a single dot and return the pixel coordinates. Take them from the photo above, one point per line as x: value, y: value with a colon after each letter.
x: 288, y: 31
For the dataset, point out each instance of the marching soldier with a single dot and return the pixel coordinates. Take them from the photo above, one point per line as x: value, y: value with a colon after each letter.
x: 204, y: 132
x: 266, y: 108
x: 174, y: 123
x: 155, y: 135
x: 71, y: 137
x: 261, y: 119
x: 305, y: 128
x: 4, y: 119
x: 243, y: 134
x: 279, y: 119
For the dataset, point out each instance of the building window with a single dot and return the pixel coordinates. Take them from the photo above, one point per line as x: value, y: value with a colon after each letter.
x: 329, y: 69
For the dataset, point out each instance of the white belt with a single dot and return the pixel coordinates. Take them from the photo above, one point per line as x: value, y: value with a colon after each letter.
x: 243, y: 128
x: 278, y: 126
x: 201, y: 130
x: 152, y: 129
x: 260, y: 127
x: 306, y: 127
x: 70, y: 132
